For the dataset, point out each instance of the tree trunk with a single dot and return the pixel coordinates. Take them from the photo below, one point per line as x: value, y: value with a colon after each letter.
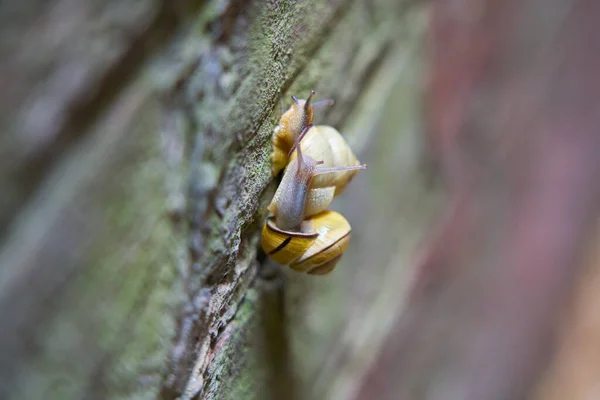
x: 134, y: 179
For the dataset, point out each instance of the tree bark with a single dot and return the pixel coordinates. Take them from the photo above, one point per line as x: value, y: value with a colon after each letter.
x: 135, y: 175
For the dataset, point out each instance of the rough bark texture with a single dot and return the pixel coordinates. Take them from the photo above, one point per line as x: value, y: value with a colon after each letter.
x: 134, y: 175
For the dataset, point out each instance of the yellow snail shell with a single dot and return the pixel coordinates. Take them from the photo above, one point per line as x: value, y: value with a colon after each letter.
x: 322, y: 143
x: 316, y: 249
x: 326, y: 144
x: 292, y: 122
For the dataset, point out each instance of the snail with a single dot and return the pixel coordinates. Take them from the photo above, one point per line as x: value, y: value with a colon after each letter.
x: 292, y: 123
x: 315, y: 248
x: 297, y: 196
x: 302, y: 233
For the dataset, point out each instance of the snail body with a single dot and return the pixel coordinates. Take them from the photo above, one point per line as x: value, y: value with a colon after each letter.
x: 297, y: 198
x: 325, y: 143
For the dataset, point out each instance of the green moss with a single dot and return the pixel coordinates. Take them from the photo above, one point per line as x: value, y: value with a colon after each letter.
x: 233, y: 373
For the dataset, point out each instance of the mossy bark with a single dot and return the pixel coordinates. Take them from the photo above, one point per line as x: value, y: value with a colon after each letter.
x: 135, y: 176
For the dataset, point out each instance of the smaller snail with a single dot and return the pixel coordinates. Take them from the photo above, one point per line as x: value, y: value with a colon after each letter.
x: 292, y: 122
x: 315, y: 249
x: 301, y: 233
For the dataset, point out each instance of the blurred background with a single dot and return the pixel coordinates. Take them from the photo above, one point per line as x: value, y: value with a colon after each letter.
x: 135, y: 176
